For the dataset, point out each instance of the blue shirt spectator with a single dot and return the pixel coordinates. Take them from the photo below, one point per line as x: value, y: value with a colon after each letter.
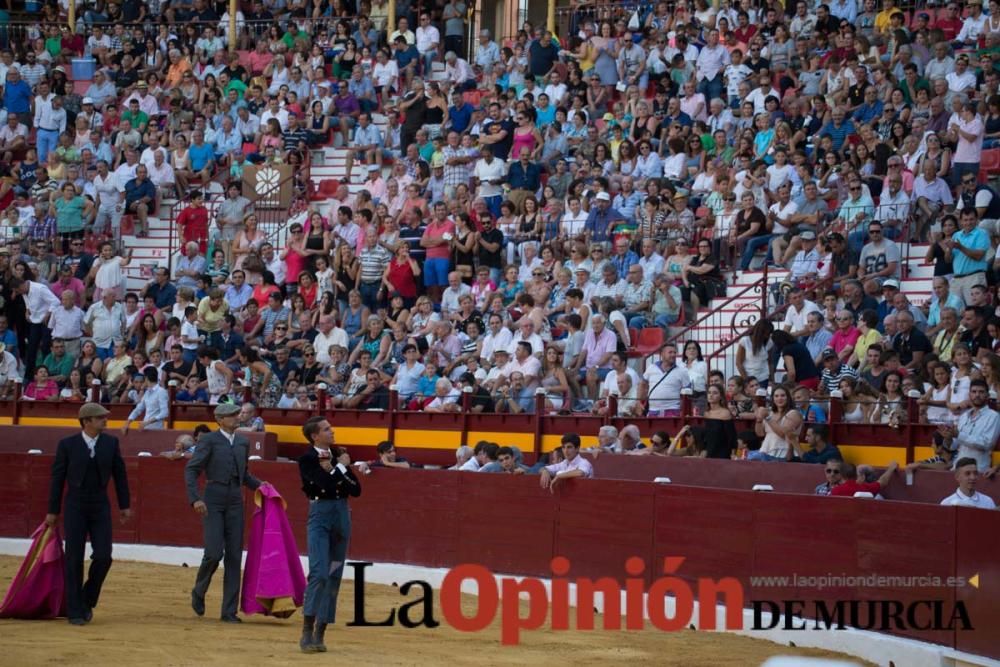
x: 524, y: 177
x: 17, y: 97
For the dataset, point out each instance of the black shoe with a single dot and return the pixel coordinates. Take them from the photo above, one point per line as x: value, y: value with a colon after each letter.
x: 88, y: 614
x: 197, y: 603
x: 78, y: 621
x: 232, y: 619
x: 306, y: 641
x: 318, y: 645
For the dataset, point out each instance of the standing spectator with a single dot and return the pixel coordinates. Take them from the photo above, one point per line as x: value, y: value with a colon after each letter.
x: 977, y: 429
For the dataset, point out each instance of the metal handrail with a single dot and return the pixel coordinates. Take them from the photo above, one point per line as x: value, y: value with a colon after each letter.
x: 759, y: 285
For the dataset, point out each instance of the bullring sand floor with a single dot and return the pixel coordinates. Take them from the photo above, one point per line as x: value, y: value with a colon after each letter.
x: 145, y: 618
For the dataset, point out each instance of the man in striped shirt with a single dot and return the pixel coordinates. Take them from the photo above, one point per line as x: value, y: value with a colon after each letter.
x: 833, y: 372
x: 374, y: 258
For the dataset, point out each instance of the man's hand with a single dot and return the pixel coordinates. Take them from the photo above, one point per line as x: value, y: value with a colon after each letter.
x: 200, y: 507
x: 126, y: 426
x: 546, y: 478
x: 326, y: 465
x: 344, y: 459
x: 126, y: 515
x: 50, y: 519
x: 948, y: 430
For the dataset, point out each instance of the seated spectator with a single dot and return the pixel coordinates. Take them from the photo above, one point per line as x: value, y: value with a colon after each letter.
x: 967, y: 474
x: 820, y: 451
x: 446, y: 398
x: 834, y: 477
x: 183, y: 448
x: 689, y: 441
x: 249, y: 420
x: 943, y: 459
x: 42, y: 388
x: 849, y: 484
x: 509, y: 462
x: 387, y: 457
x: 192, y: 393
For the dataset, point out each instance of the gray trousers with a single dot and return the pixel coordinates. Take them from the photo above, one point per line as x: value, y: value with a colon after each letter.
x: 223, y: 543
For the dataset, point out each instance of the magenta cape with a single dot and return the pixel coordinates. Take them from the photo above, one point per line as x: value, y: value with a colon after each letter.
x: 273, y: 581
x: 39, y: 587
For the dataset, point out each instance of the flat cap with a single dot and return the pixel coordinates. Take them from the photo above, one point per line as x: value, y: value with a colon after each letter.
x: 88, y: 410
x: 226, y: 410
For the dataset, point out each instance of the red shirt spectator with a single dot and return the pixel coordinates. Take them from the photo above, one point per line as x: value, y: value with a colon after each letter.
x: 193, y: 222
x: 851, y: 485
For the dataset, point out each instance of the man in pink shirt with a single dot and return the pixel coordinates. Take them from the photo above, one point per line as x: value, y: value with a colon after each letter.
x: 68, y: 282
x: 968, y: 132
x: 846, y: 336
x: 598, y: 345
x: 436, y: 240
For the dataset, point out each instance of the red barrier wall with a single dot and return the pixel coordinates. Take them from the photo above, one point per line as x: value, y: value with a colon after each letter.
x: 929, y: 486
x: 510, y: 524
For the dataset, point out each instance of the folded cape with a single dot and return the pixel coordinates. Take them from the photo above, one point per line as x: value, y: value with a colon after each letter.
x: 39, y: 587
x: 273, y: 581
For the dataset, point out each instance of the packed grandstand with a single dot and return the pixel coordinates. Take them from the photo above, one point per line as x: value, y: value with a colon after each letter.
x: 742, y: 213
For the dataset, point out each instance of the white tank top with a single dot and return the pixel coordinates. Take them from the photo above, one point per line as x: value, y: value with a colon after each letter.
x: 216, y: 382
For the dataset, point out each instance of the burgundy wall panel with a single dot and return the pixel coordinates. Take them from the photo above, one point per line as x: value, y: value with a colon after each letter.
x: 599, y: 529
x: 684, y: 516
x: 806, y: 536
x: 406, y: 516
x: 977, y: 551
x: 40, y: 475
x: 909, y: 541
x: 165, y: 517
x: 15, y: 497
x: 505, y: 523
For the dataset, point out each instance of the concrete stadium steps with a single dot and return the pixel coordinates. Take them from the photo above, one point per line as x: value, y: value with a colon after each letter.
x: 716, y: 330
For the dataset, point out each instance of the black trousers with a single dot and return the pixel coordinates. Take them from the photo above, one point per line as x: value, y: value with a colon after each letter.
x: 39, y: 338
x: 223, y: 543
x: 86, y: 516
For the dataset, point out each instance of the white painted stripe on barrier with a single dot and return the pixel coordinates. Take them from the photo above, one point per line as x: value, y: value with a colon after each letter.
x: 872, y: 646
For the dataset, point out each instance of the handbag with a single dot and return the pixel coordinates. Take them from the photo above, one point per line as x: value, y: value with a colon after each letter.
x: 253, y: 263
x: 633, y: 23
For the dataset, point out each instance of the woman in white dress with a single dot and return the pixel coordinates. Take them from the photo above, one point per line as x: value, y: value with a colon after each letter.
x: 108, y: 271
x: 779, y: 425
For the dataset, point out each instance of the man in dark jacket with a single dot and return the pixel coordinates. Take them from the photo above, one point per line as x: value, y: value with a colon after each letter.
x: 84, y: 464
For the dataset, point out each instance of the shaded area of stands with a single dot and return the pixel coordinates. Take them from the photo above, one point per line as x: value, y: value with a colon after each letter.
x: 20, y: 439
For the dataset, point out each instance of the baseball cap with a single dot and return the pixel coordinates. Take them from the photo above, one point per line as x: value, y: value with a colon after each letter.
x: 829, y: 354
x: 891, y: 282
x: 603, y: 196
x: 808, y: 236
x: 87, y: 100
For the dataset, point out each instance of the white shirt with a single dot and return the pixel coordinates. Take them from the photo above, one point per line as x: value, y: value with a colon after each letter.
x: 537, y: 346
x: 496, y: 170
x: 496, y: 341
x: 427, y: 38
x: 40, y: 301
x: 107, y: 326
x: 796, y: 320
x: 977, y: 433
x: 8, y: 368
x: 109, y: 189
x: 281, y: 115
x: 66, y: 324
x: 322, y: 343
x: 450, y: 297
x: 577, y: 463
x: 893, y: 206
x: 91, y: 443
x: 472, y: 465
x: 665, y: 393
x: 959, y: 499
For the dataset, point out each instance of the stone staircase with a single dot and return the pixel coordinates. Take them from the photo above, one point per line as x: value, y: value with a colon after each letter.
x: 727, y: 315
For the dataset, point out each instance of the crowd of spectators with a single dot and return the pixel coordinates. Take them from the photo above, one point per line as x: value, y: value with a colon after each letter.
x: 521, y: 212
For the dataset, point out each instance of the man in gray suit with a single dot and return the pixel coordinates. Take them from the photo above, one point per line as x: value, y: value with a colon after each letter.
x: 223, y: 457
